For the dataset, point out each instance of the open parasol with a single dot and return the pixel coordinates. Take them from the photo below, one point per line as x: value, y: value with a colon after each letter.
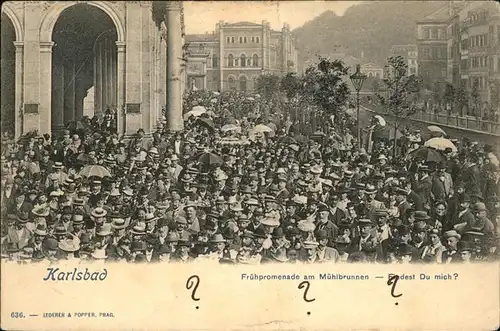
x: 380, y: 120
x: 231, y: 127
x: 94, y: 171
x: 435, y: 128
x: 441, y: 144
x: 262, y: 128
x: 196, y: 112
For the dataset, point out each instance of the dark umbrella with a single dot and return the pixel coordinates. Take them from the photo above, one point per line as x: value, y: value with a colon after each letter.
x: 210, y: 159
x: 206, y: 122
x: 427, y: 154
x: 84, y: 159
x: 76, y: 126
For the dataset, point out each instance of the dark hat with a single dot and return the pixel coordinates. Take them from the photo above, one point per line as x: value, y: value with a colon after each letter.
x: 22, y: 217
x: 321, y: 234
x: 404, y: 249
x: 463, y: 246
x: 421, y: 215
x: 260, y: 233
x: 50, y: 244
x: 364, y: 222
x: 419, y: 227
x: 278, y: 233
x: 479, y: 206
x: 463, y: 198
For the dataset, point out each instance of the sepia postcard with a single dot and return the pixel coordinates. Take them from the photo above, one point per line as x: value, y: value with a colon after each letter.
x: 250, y: 165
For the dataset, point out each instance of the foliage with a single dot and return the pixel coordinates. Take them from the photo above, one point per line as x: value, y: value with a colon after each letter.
x: 291, y: 85
x: 449, y: 96
x: 461, y: 98
x: 267, y: 86
x: 474, y: 95
x: 402, y: 90
x: 324, y: 85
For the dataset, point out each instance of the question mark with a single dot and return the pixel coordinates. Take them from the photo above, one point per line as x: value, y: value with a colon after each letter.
x: 194, y: 280
x: 393, y: 280
x: 456, y: 275
x: 305, y: 284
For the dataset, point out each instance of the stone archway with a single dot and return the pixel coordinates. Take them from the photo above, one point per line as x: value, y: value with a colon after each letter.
x: 8, y: 64
x: 11, y: 71
x: 96, y: 60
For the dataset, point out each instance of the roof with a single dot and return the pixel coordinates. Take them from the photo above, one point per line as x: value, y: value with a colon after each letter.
x: 200, y: 37
x: 441, y: 15
x: 243, y: 23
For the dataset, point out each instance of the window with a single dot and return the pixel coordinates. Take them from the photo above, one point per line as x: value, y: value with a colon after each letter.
x: 230, y: 60
x: 236, y: 62
x: 243, y: 83
x: 241, y: 40
x: 434, y: 33
x: 215, y: 61
x: 253, y: 39
x: 426, y: 52
x: 232, y: 40
x: 228, y: 39
x: 257, y: 40
x: 255, y: 60
x: 245, y: 40
x: 231, y: 83
x: 243, y: 60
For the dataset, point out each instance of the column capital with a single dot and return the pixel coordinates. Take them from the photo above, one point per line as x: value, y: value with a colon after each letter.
x: 173, y: 5
x: 120, y: 46
x: 19, y: 45
x: 46, y: 46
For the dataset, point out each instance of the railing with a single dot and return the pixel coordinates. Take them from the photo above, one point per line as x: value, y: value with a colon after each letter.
x: 453, y: 121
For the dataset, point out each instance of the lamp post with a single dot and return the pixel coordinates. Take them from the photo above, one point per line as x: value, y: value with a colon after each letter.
x: 357, y: 80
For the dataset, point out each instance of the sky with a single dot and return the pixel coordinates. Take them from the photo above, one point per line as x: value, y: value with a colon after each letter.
x: 201, y: 16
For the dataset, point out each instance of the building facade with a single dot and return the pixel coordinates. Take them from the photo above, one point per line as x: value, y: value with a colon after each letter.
x: 409, y: 53
x: 59, y: 51
x: 432, y: 50
x: 474, y: 48
x: 235, y: 54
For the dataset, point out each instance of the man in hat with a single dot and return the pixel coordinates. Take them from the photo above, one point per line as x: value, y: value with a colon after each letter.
x: 470, y: 174
x: 451, y: 255
x: 323, y: 222
x: 480, y: 222
x: 17, y: 232
x: 442, y: 183
x: 463, y: 215
x: 423, y: 185
x: 367, y: 241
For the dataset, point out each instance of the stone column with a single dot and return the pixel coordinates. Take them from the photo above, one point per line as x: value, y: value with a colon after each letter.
x: 105, y: 78
x: 58, y: 98
x: 111, y: 75
x: 222, y: 58
x: 174, y: 55
x: 97, y: 80
x: 120, y: 86
x: 18, y: 101
x: 45, y: 107
x: 69, y: 91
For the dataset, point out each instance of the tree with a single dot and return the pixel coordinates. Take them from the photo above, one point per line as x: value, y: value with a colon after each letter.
x: 267, y: 86
x: 291, y: 85
x: 461, y: 98
x: 324, y: 86
x: 475, y: 97
x: 449, y: 97
x: 402, y: 92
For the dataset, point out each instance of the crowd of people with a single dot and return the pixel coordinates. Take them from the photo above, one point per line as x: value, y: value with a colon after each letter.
x: 240, y: 185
